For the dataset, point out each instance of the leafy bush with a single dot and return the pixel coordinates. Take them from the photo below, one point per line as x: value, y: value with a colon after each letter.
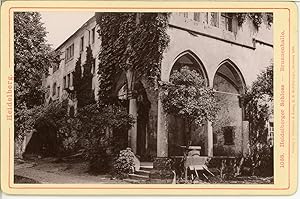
x: 98, y: 126
x: 188, y: 97
x: 259, y: 109
x: 46, y: 116
x: 124, y: 164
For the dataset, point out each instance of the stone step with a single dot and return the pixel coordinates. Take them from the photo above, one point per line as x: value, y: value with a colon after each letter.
x: 146, y: 168
x: 138, y: 177
x: 142, y: 172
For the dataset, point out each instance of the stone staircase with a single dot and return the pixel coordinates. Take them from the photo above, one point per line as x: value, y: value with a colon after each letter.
x: 140, y: 176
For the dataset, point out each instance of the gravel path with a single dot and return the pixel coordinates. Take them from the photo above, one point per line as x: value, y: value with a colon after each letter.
x: 47, y: 172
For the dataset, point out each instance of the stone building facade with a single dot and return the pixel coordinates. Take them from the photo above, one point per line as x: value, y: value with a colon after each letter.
x: 229, y: 56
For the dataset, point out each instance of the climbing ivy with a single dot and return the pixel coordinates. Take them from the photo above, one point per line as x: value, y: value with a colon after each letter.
x: 83, y: 79
x: 77, y: 75
x: 257, y: 18
x: 130, y: 41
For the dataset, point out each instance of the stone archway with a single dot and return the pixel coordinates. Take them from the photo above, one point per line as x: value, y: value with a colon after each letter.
x: 176, y: 126
x: 229, y: 85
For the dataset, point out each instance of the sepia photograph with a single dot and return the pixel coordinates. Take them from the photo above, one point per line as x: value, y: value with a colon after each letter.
x: 143, y: 97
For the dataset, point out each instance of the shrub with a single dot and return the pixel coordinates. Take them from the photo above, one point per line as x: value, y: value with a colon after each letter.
x: 259, y: 109
x: 124, y: 163
x: 99, y: 126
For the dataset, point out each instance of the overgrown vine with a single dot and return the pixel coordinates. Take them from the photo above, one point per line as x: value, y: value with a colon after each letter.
x: 257, y: 18
x: 130, y: 41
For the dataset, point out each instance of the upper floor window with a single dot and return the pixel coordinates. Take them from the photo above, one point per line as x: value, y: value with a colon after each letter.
x: 65, y: 82
x: 68, y: 80
x: 54, y: 89
x: 81, y: 43
x: 226, y: 21
x: 186, y: 15
x: 94, y: 66
x: 93, y: 35
x: 71, y: 79
x: 205, y: 17
x: 58, y: 91
x: 214, y: 19
x: 197, y: 16
x: 48, y: 92
x: 70, y: 52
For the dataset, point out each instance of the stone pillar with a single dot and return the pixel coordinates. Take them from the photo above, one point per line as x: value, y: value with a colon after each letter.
x: 162, y: 132
x: 161, y: 172
x: 210, y: 141
x: 132, y: 132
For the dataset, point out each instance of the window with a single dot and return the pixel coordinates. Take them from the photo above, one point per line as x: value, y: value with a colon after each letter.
x: 226, y: 21
x: 71, y: 79
x: 228, y: 132
x: 81, y: 43
x: 58, y: 91
x: 214, y: 21
x: 186, y: 15
x: 68, y: 80
x: 93, y: 35
x: 48, y: 92
x: 94, y: 66
x: 54, y: 89
x: 197, y: 16
x: 205, y: 17
x: 70, y: 52
x: 64, y: 82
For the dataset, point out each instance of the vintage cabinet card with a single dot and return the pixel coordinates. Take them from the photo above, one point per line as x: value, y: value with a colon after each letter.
x: 149, y: 98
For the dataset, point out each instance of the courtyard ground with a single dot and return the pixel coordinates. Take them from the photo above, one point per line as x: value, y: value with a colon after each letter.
x: 50, y: 171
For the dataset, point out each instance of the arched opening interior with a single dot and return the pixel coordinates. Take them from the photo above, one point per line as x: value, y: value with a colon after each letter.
x: 143, y: 109
x: 228, y: 84
x: 177, y: 127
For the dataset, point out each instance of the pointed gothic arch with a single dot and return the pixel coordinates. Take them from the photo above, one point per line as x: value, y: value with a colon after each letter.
x: 189, y: 58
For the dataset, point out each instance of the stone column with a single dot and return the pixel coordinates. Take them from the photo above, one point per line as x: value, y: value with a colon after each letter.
x: 210, y: 141
x: 161, y: 172
x: 132, y: 132
x: 162, y: 132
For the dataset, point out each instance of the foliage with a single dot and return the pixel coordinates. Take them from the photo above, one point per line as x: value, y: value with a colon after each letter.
x: 259, y: 109
x: 32, y: 56
x: 124, y: 163
x: 130, y: 41
x: 259, y: 105
x: 188, y: 97
x: 50, y: 116
x: 98, y: 123
x: 77, y: 75
x: 256, y: 18
x: 83, y: 80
